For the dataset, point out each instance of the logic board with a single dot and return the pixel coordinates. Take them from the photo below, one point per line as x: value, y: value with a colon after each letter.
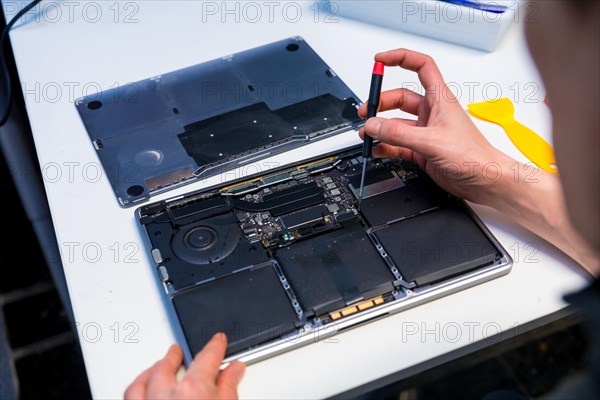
x: 311, y: 198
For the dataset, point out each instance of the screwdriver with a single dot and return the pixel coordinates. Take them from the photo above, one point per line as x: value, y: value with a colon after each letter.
x: 372, y: 105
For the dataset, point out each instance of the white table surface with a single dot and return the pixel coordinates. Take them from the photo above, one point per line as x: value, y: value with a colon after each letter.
x: 122, y: 322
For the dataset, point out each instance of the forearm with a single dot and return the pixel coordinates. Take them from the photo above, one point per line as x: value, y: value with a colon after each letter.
x: 537, y: 203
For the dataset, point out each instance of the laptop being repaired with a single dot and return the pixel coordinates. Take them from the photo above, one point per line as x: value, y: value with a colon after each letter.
x: 273, y: 258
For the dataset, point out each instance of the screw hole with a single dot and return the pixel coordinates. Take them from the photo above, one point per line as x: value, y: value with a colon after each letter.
x: 135, y: 190
x: 94, y: 105
x: 292, y: 47
x: 251, y: 88
x: 175, y: 110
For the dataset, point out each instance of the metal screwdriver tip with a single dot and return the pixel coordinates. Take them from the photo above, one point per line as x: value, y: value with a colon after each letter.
x: 362, y: 183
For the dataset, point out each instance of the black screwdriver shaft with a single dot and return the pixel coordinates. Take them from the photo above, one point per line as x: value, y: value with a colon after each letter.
x: 372, y: 106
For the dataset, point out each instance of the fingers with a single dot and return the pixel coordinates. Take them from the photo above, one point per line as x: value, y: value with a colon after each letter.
x: 425, y: 67
x: 397, y: 132
x: 162, y: 375
x: 202, y: 379
x: 403, y: 99
x: 383, y: 150
x: 137, y: 389
x: 205, y: 366
x: 411, y: 122
x: 229, y: 379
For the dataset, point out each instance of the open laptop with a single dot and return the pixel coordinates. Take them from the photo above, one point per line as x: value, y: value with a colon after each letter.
x: 277, y: 259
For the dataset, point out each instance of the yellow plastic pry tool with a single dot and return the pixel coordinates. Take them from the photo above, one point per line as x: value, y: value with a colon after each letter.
x: 533, y: 146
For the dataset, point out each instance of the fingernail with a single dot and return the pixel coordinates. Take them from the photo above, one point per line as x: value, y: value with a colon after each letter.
x: 241, y: 370
x: 372, y: 127
x: 220, y: 336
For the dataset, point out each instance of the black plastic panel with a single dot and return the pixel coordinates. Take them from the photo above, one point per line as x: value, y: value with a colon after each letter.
x: 257, y: 127
x: 251, y: 307
x: 335, y: 269
x: 436, y: 245
x: 419, y: 195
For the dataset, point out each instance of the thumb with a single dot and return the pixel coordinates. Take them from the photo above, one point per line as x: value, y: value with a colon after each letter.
x: 397, y: 132
x: 229, y: 379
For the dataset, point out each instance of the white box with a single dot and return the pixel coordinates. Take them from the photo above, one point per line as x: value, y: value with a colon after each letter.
x: 463, y: 25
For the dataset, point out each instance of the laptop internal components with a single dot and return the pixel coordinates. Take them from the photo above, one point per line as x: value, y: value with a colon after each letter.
x: 271, y: 258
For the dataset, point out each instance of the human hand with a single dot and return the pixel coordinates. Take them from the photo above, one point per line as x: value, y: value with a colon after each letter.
x: 446, y: 144
x: 202, y: 380
x: 443, y: 140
